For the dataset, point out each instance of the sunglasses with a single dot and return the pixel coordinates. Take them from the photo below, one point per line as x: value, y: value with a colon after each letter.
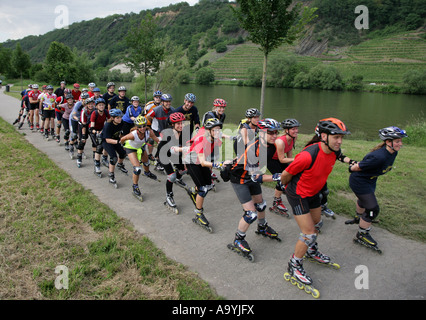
x: 272, y: 133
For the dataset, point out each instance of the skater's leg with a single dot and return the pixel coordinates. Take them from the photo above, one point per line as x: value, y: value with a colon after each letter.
x: 308, y: 233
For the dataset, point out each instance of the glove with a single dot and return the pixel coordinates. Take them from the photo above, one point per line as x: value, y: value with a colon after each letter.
x: 257, y: 178
x: 217, y: 165
x: 276, y: 177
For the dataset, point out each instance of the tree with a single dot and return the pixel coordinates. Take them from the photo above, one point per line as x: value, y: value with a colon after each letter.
x: 59, y: 63
x: 271, y: 23
x: 21, y: 62
x: 204, y: 76
x: 145, y: 50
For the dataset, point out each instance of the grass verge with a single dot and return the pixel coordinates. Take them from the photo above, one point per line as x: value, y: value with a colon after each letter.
x: 48, y: 220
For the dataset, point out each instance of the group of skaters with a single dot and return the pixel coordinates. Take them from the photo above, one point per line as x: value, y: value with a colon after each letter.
x: 178, y: 141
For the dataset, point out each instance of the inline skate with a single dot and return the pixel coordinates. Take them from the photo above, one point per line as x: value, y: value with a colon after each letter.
x: 241, y: 247
x: 279, y: 208
x: 366, y: 240
x: 267, y: 231
x: 297, y: 276
x: 137, y: 192
x: 97, y: 170
x: 121, y: 167
x: 152, y: 176
x: 326, y: 211
x: 201, y: 220
x: 313, y: 255
x: 112, y: 180
x: 170, y: 203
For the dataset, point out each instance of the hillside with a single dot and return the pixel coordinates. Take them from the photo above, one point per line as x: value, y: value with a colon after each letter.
x: 380, y: 54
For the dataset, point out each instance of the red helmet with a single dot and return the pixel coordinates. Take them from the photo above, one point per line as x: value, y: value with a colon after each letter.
x: 76, y: 85
x: 177, y: 117
x: 219, y: 103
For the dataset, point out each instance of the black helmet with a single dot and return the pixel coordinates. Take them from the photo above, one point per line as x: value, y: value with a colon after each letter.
x: 213, y: 122
x: 290, y: 123
x: 252, y: 112
x: 331, y: 126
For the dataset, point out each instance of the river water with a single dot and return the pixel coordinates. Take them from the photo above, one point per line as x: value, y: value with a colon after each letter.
x: 363, y: 112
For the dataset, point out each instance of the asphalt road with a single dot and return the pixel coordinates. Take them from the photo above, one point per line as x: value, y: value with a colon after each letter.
x: 397, y: 274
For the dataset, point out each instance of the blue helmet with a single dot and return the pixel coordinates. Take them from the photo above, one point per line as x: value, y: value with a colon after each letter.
x: 190, y: 97
x: 115, y: 112
x: 157, y: 93
x: 99, y: 100
x: 166, y: 97
x: 390, y: 133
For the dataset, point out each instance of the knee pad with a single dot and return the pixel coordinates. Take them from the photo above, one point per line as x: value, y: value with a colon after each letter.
x: 202, y: 191
x: 73, y: 136
x: 260, y: 207
x: 81, y: 145
x: 318, y: 226
x: 250, y: 216
x: 58, y: 125
x: 99, y: 149
x: 146, y: 164
x: 171, y: 177
x: 137, y: 170
x: 113, y: 161
x: 370, y: 214
x: 67, y: 134
x: 308, y: 239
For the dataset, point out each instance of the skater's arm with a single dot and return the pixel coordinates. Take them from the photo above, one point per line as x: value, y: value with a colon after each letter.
x: 282, y: 156
x: 286, y: 178
x: 128, y: 136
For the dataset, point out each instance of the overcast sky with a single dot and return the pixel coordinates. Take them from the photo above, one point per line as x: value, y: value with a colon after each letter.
x: 19, y: 18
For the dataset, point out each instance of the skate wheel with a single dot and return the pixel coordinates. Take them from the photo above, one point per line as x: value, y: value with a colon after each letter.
x: 210, y: 230
x: 315, y: 293
x: 335, y: 265
x: 287, y: 276
x: 250, y: 257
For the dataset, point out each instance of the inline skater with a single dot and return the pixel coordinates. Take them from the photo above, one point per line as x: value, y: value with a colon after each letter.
x: 76, y: 92
x: 247, y: 130
x: 363, y: 180
x: 107, y: 96
x: 134, y: 144
x: 60, y: 92
x: 200, y: 159
x: 217, y: 112
x: 119, y: 101
x: 170, y: 150
x: 158, y: 118
x: 74, y: 120
x: 33, y: 97
x: 67, y: 108
x: 304, y: 178
x: 25, y: 108
x: 48, y: 103
x: 97, y: 121
x: 91, y: 87
x: 132, y: 111
x: 190, y: 111
x: 83, y: 129
x: 111, y: 143
x: 246, y: 179
x: 281, y: 157
x: 148, y: 107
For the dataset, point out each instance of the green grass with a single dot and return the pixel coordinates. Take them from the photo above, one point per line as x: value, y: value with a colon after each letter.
x: 401, y: 192
x: 47, y: 220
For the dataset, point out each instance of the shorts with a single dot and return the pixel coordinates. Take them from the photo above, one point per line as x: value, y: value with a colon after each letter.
x: 58, y: 115
x: 202, y: 176
x: 33, y: 106
x: 245, y: 191
x: 301, y: 205
x: 49, y: 114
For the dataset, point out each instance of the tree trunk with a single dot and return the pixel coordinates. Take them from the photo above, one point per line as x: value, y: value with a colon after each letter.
x: 146, y: 85
x: 262, y: 94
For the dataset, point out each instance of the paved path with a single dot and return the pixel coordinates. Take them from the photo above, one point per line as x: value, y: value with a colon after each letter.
x: 397, y: 274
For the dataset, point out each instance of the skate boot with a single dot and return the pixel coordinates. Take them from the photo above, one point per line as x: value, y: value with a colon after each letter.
x: 38, y: 127
x: 104, y: 161
x: 112, y: 180
x: 267, y: 231
x: 170, y: 203
x: 314, y: 255
x: 79, y: 160
x: 31, y: 127
x: 326, y: 211
x: 46, y: 134
x: 364, y: 238
x: 137, y: 192
x: 192, y: 195
x: 20, y: 125
x: 152, y: 176
x: 67, y: 146
x: 159, y: 167
x: 98, y: 171
x: 241, y: 247
x: 121, y: 167
x: 214, y: 177
x: 297, y: 276
x: 71, y: 151
x: 58, y: 138
x: 181, y: 183
x: 15, y: 122
x: 201, y: 220
x: 279, y: 208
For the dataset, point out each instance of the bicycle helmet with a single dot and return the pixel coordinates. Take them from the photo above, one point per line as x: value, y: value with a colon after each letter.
x: 135, y: 98
x: 49, y: 87
x: 122, y: 88
x: 392, y: 132
x: 35, y: 86
x: 157, y: 93
x: 110, y: 84
x: 69, y: 96
x: 96, y: 90
x: 99, y: 100
x: 213, y: 122
x: 115, y: 112
x: 331, y: 126
x: 92, y: 84
x: 177, y: 117
x: 89, y: 100
x: 140, y: 121
x: 84, y: 95
x: 190, y: 97
x: 76, y: 85
x: 290, y: 123
x: 219, y: 103
x: 252, y: 112
x: 166, y: 97
x: 268, y: 124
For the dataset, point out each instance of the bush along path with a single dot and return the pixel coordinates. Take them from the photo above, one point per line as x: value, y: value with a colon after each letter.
x: 399, y: 273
